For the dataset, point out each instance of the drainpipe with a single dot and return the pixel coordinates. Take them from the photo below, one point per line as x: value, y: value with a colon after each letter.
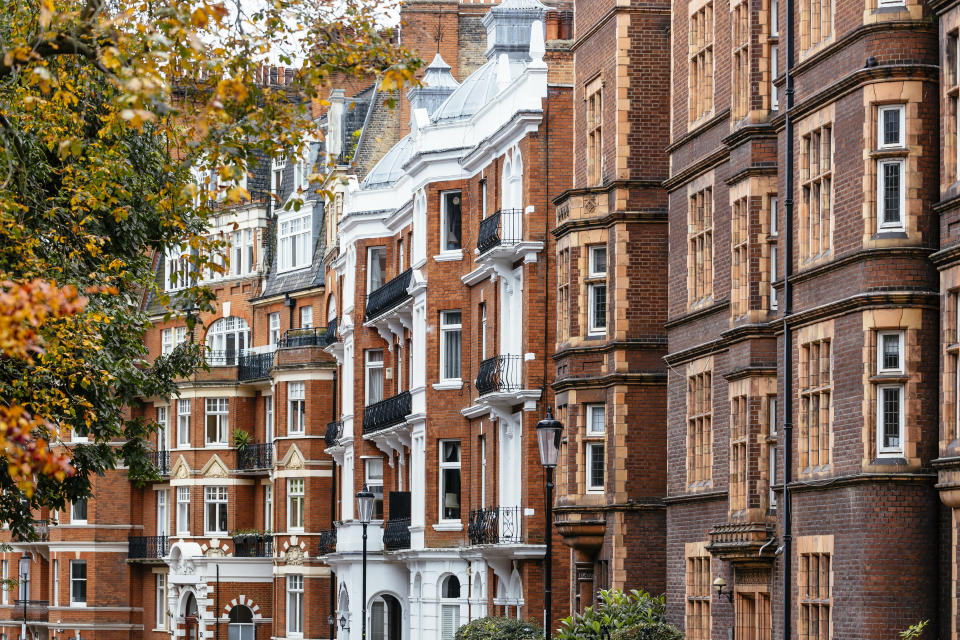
x: 333, y: 519
x: 788, y: 336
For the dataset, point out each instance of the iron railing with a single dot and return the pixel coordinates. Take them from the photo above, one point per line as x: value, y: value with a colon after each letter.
x: 500, y: 373
x: 396, y: 534
x: 254, y: 366
x: 257, y: 546
x: 255, y: 456
x: 386, y: 413
x: 496, y: 525
x: 331, y: 335
x: 505, y: 227
x: 42, y: 530
x: 389, y: 295
x: 148, y: 547
x: 221, y: 358
x: 161, y: 461
x: 327, y: 542
x: 33, y: 606
x: 334, y: 432
x: 312, y: 337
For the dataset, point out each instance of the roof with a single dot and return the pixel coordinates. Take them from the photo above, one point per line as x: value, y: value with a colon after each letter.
x: 390, y: 167
x: 479, y: 89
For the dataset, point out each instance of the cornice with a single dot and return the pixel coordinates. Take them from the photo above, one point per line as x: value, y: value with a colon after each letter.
x: 696, y: 314
x: 922, y: 253
x: 609, y: 380
x: 607, y: 187
x: 769, y: 169
x: 606, y: 508
x: 702, y: 496
x: 945, y: 258
x: 748, y: 131
x: 612, y: 218
x: 825, y: 484
x: 615, y: 345
x: 949, y: 203
x: 698, y: 130
x: 751, y: 371
x: 701, y: 166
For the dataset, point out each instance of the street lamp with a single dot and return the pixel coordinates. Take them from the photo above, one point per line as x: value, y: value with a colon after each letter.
x: 24, y: 590
x: 365, y: 511
x: 549, y: 432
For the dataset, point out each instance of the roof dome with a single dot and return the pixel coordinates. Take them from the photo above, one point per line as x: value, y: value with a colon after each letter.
x: 477, y: 90
x: 390, y: 167
x: 437, y: 84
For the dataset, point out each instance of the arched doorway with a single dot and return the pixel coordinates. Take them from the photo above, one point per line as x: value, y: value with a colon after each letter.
x: 191, y: 623
x: 386, y: 618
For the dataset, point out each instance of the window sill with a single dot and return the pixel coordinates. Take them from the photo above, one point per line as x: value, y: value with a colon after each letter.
x: 889, y: 378
x: 217, y: 445
x: 449, y: 256
x: 78, y: 605
x: 889, y: 152
x: 448, y: 526
x: 896, y: 232
x: 895, y: 459
x: 449, y: 385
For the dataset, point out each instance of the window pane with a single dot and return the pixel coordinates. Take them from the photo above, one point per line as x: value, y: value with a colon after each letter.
x: 891, y: 126
x: 891, y: 418
x: 451, y: 494
x: 452, y: 237
x: 891, y: 192
x: 891, y: 351
x: 596, y: 465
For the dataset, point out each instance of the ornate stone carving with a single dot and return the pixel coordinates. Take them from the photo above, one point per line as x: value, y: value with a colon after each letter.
x: 294, y: 556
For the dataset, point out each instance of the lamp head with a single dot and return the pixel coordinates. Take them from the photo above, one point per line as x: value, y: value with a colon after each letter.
x: 365, y: 506
x: 549, y: 432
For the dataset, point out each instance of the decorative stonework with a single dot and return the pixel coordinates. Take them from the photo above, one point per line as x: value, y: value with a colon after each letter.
x: 215, y: 468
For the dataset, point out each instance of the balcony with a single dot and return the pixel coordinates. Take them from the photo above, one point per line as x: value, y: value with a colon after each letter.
x: 150, y: 549
x: 389, y: 296
x: 160, y: 461
x: 254, y: 366
x: 313, y: 337
x: 500, y: 374
x: 328, y: 542
x: 334, y: 433
x: 743, y: 542
x: 496, y: 525
x: 253, y: 546
x: 396, y: 534
x: 503, y: 228
x: 42, y: 530
x: 221, y: 358
x: 35, y: 610
x: 255, y: 457
x: 387, y: 413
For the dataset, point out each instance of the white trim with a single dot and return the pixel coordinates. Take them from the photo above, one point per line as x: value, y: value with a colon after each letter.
x: 449, y: 256
x: 883, y: 451
x: 900, y: 352
x: 882, y: 223
x: 451, y: 384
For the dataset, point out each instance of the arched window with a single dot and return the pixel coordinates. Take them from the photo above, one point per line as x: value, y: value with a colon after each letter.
x: 331, y: 308
x: 226, y: 340
x: 506, y: 193
x: 241, y: 623
x: 516, y: 181
x: 449, y: 611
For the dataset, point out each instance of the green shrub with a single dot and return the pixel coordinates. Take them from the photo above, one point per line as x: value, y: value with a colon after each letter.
x: 494, y: 628
x: 636, y: 615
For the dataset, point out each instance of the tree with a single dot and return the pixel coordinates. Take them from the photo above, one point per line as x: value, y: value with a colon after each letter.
x: 109, y: 112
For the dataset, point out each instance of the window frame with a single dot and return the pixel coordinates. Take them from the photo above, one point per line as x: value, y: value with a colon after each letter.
x: 306, y: 317
x: 881, y: 125
x: 442, y: 467
x: 596, y: 281
x: 215, y: 496
x: 589, y: 449
x: 884, y: 451
x: 883, y: 224
x: 295, y: 596
x: 296, y: 504
x: 82, y: 581
x: 163, y: 431
x: 374, y: 485
x: 184, y: 407
x: 444, y: 195
x: 901, y: 356
x: 591, y: 409
x: 268, y: 418
x: 296, y: 408
x: 273, y: 331
x: 368, y: 368
x: 298, y: 234
x: 183, y: 511
x: 161, y: 602
x: 221, y: 418
x: 448, y: 330
x: 73, y: 511
x: 371, y: 251
x: 268, y: 506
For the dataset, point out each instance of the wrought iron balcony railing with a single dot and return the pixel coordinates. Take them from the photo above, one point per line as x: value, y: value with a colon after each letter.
x: 500, y: 374
x: 389, y: 295
x: 257, y: 546
x: 496, y: 525
x: 334, y: 432
x: 505, y: 227
x: 255, y: 456
x: 327, y: 542
x: 396, y: 534
x: 161, y: 461
x: 331, y: 335
x: 312, y: 337
x: 42, y: 530
x: 386, y: 413
x: 148, y: 547
x: 254, y: 366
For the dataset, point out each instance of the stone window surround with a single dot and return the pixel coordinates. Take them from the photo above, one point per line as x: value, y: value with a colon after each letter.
x: 702, y: 187
x: 814, y: 547
x: 699, y: 419
x: 699, y: 591
x: 701, y: 64
x: 819, y: 123
x: 757, y: 441
x: 820, y: 334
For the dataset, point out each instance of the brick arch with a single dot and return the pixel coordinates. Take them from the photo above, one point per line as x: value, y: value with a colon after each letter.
x: 242, y: 599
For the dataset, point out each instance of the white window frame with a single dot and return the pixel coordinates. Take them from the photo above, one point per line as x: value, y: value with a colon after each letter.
x: 774, y: 18
x: 183, y: 423
x: 592, y: 327
x: 453, y: 610
x: 899, y: 369
x: 594, y: 410
x: 176, y: 260
x: 306, y: 317
x: 441, y: 494
x: 296, y: 503
x: 774, y: 65
x: 448, y: 329
x: 83, y: 580
x: 368, y: 367
x: 268, y: 507
x: 296, y: 408
x: 772, y: 475
x: 55, y: 570
x: 86, y: 509
x: 163, y: 513
x: 277, y: 165
x: 215, y: 498
x: 371, y: 251
x: 295, y: 605
x: 219, y: 410
x: 443, y: 223
x: 881, y: 124
x: 161, y: 601
x: 163, y: 432
x: 882, y: 222
x: 884, y: 451
x: 294, y: 234
x: 483, y: 331
x: 374, y: 484
x: 182, y: 524
x: 166, y: 341
x: 268, y: 417
x: 5, y: 574
x: 588, y: 480
x: 273, y: 321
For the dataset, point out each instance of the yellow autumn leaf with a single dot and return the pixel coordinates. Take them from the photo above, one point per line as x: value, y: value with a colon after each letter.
x: 199, y: 18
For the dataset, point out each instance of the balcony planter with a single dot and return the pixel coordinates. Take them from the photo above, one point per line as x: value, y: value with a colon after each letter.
x: 252, y: 545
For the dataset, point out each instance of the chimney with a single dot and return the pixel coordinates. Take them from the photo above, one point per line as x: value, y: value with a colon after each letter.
x: 335, y: 124
x: 508, y: 28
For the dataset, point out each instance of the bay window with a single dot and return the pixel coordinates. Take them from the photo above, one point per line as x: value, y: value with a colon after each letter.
x: 293, y: 241
x: 597, y: 291
x: 890, y: 397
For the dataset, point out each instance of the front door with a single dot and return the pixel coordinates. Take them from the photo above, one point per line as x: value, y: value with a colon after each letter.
x: 191, y: 628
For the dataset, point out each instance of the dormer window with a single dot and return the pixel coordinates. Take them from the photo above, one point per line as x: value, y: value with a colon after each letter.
x: 293, y: 241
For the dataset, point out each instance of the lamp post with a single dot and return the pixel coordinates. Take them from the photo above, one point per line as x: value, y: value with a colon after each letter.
x: 24, y: 590
x: 549, y: 432
x: 365, y: 512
